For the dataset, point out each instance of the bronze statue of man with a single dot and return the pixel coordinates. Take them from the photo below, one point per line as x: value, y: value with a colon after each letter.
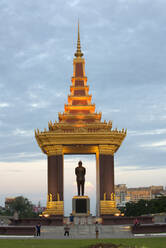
x: 80, y: 172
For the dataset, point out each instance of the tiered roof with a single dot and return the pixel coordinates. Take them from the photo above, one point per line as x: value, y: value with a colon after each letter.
x: 79, y: 111
x: 79, y: 123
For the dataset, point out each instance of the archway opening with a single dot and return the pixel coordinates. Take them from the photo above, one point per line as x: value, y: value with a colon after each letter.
x: 70, y: 185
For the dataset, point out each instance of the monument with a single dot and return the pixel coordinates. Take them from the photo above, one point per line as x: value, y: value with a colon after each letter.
x: 80, y: 172
x: 80, y: 204
x: 80, y: 130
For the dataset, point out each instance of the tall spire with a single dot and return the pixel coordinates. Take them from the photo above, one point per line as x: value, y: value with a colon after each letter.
x: 78, y: 52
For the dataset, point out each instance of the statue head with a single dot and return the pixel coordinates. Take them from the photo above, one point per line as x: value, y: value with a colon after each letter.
x: 80, y: 163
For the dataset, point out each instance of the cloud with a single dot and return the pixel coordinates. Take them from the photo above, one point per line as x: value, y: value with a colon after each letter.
x: 111, y: 111
x: 23, y: 178
x: 146, y: 132
x: 162, y: 117
x: 133, y: 167
x: 27, y: 155
x: 4, y: 105
x: 158, y: 144
x: 140, y: 178
x: 34, y: 60
x: 39, y: 105
x: 22, y: 132
x: 73, y: 3
x: 88, y: 185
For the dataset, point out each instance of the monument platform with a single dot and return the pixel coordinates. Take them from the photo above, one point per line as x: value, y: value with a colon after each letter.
x: 125, y: 220
x: 81, y: 206
x: 49, y: 221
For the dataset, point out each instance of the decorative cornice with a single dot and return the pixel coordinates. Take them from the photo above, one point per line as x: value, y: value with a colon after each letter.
x: 107, y: 149
x: 88, y: 127
x: 80, y: 107
x: 87, y: 97
x: 84, y: 78
x: 80, y: 149
x: 51, y: 150
x: 79, y: 117
x: 85, y: 87
x: 52, y: 142
x: 80, y: 197
x: 78, y: 60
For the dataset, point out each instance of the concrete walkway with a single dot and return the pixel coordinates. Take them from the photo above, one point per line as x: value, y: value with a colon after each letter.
x: 84, y: 232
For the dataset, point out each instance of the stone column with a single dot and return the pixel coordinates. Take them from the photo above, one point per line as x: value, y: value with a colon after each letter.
x: 97, y: 185
x: 55, y: 204
x: 106, y: 167
x: 55, y: 177
x: 106, y: 180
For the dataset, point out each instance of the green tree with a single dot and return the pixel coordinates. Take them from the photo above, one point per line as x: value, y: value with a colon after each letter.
x: 142, y: 207
x: 22, y: 206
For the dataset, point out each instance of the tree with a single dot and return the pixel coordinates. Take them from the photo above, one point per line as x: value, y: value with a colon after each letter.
x: 22, y: 206
x: 142, y: 207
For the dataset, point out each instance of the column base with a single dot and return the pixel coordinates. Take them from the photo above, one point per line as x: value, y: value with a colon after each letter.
x: 109, y: 208
x: 54, y: 208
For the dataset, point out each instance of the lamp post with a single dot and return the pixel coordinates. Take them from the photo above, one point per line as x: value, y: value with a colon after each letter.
x: 146, y: 208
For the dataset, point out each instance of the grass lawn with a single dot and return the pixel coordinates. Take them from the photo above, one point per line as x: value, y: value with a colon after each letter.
x: 139, y: 242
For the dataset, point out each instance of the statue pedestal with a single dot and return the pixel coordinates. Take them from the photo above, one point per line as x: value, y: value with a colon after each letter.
x: 81, y: 206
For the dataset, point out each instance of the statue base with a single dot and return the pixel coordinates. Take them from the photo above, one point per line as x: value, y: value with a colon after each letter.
x: 108, y: 207
x: 54, y: 208
x: 81, y: 206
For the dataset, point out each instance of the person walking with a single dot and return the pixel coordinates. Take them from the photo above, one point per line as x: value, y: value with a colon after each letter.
x: 136, y: 222
x: 66, y: 230
x: 71, y: 218
x: 97, y: 229
x: 38, y: 227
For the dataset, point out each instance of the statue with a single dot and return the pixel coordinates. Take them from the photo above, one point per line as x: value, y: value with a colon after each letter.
x: 80, y: 172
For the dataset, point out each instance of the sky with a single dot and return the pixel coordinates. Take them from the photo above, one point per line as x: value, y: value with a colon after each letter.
x: 124, y: 45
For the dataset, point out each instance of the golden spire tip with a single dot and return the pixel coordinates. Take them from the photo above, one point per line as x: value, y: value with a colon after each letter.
x: 78, y: 52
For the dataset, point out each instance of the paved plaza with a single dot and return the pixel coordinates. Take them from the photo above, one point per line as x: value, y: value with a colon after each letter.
x: 85, y: 232
x: 80, y: 232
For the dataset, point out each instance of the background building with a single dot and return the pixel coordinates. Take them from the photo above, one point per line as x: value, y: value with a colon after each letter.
x: 124, y: 194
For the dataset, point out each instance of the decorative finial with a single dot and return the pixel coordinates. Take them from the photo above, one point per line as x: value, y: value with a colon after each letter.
x: 78, y: 52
